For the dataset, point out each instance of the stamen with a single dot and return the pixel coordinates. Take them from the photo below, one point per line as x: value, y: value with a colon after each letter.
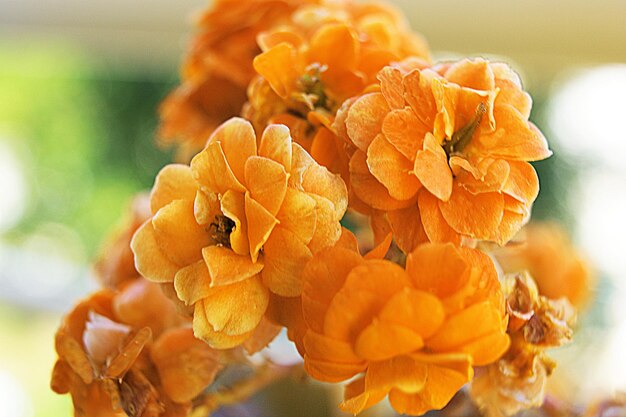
x: 462, y: 137
x: 221, y: 229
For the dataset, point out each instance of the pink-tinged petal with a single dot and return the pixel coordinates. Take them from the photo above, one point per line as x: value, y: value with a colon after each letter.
x: 260, y: 225
x: 213, y: 173
x: 392, y: 169
x: 276, y: 145
x: 226, y: 267
x: 432, y: 169
x: 178, y: 235
x: 365, y: 119
x: 233, y: 206
x: 285, y: 257
x: 173, y: 182
x: 150, y: 260
x: 193, y: 282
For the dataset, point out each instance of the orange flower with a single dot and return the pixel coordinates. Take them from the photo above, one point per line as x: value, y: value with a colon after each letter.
x: 445, y: 150
x: 547, y: 253
x: 518, y: 380
x: 218, y: 69
x: 325, y: 55
x: 115, y: 264
x: 414, y: 333
x: 110, y: 366
x: 239, y: 223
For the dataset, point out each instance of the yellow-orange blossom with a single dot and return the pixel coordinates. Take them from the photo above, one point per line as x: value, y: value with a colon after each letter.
x: 239, y: 223
x: 445, y: 150
x: 415, y: 334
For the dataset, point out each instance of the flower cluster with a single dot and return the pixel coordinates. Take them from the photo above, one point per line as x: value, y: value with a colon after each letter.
x: 290, y: 116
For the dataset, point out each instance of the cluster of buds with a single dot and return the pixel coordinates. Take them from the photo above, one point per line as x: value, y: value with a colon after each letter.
x: 293, y: 116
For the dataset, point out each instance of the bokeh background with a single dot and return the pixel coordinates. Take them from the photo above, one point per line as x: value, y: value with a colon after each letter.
x: 79, y: 86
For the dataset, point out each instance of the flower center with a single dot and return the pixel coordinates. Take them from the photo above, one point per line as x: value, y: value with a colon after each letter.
x: 311, y: 84
x: 221, y: 229
x: 462, y: 137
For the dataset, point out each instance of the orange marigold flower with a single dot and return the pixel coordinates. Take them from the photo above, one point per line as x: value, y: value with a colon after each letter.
x: 518, y: 380
x: 445, y: 150
x: 414, y: 333
x: 328, y: 53
x: 239, y: 223
x: 558, y: 268
x: 218, y: 69
x: 110, y: 366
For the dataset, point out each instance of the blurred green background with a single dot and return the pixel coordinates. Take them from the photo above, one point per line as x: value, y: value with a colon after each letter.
x: 77, y: 123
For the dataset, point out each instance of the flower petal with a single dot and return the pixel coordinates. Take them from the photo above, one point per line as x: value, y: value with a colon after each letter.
x: 237, y: 308
x: 150, y: 260
x: 226, y: 267
x: 282, y: 56
x: 408, y: 231
x: 435, y: 225
x: 285, y: 257
x: 260, y: 225
x: 212, y: 172
x: 417, y: 310
x: 367, y: 188
x: 178, y: 235
x: 297, y: 214
x: 267, y: 182
x: 365, y: 119
x: 276, y: 145
x: 327, y: 226
x: 383, y: 340
x: 392, y: 169
x: 477, y: 216
x: 404, y: 131
x: 232, y: 205
x: 432, y: 169
x: 173, y: 182
x: 176, y: 352
x: 193, y: 282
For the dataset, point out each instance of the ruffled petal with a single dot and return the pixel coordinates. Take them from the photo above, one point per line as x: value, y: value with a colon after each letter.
x: 267, y: 182
x: 417, y: 310
x: 212, y: 172
x: 226, y: 267
x: 193, y: 282
x: 276, y: 145
x: 477, y: 216
x: 150, y: 260
x: 237, y: 308
x: 282, y: 56
x: 435, y: 225
x: 178, y: 235
x: 285, y: 257
x: 404, y: 131
x: 173, y: 182
x: 408, y: 231
x: 392, y: 169
x: 367, y: 187
x: 431, y: 167
x: 365, y: 119
x: 233, y: 206
x: 298, y: 215
x: 382, y: 340
x: 260, y: 225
